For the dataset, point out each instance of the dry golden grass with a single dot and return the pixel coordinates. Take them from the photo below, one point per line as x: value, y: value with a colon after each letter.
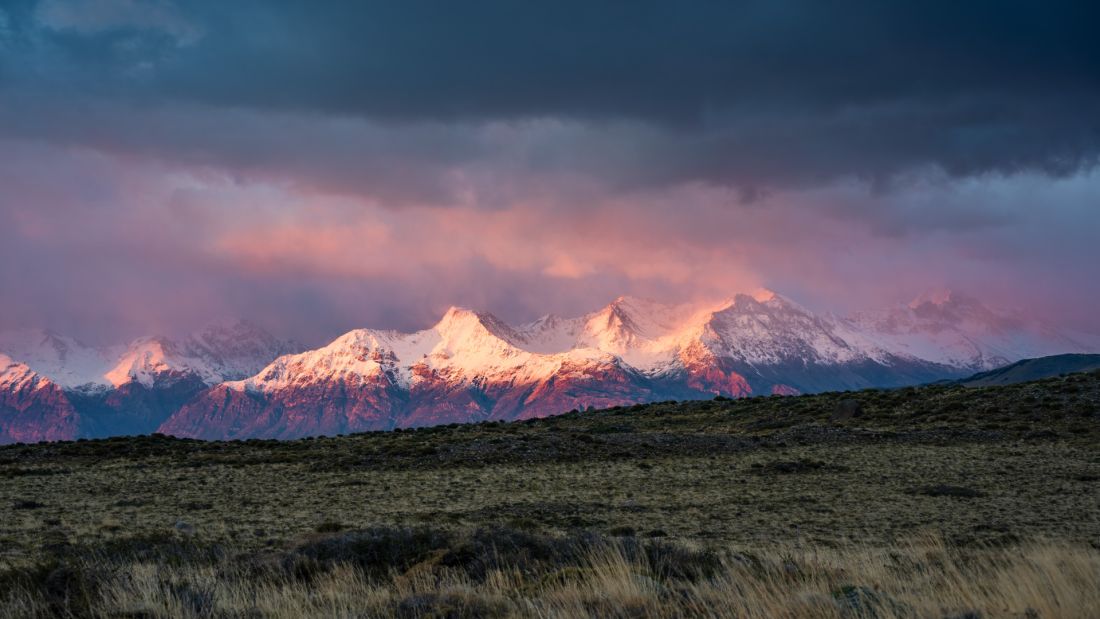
x: 919, y: 578
x: 754, y: 508
x: 869, y: 493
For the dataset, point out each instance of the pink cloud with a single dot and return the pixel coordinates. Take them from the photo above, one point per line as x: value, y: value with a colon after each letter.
x: 95, y: 243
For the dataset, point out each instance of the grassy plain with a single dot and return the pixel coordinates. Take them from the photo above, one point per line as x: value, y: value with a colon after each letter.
x: 931, y: 501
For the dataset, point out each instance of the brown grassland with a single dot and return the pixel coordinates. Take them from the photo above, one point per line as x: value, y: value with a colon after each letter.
x: 938, y: 501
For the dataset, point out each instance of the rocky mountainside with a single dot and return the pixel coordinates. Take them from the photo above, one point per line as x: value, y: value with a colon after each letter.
x: 957, y: 330
x: 1034, y: 369
x: 33, y: 408
x: 236, y: 381
x: 217, y: 353
x: 468, y: 367
x: 472, y: 366
x: 56, y: 387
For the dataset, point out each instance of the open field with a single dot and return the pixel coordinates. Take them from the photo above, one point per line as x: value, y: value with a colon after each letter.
x: 943, y: 498
x: 503, y: 573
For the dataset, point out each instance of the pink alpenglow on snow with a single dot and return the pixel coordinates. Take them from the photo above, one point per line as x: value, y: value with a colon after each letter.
x: 321, y: 171
x: 238, y: 381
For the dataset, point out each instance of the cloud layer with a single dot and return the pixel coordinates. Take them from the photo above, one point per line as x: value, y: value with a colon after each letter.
x: 166, y: 162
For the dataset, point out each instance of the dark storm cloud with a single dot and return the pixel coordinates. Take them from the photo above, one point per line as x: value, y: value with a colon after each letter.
x: 747, y: 93
x: 321, y: 166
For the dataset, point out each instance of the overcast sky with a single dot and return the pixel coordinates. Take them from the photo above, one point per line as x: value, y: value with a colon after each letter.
x: 318, y: 168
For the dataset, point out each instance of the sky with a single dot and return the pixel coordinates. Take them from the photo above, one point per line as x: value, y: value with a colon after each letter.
x: 319, y: 168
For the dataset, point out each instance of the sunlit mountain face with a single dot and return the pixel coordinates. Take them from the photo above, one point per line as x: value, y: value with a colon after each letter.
x: 237, y: 381
x: 56, y: 387
x: 374, y: 164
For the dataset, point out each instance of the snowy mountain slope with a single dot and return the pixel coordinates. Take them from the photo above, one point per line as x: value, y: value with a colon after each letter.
x: 759, y: 329
x: 33, y: 408
x: 647, y: 335
x: 471, y: 366
x: 235, y: 350
x: 66, y: 361
x: 468, y: 366
x: 463, y: 343
x: 74, y: 390
x: 16, y: 376
x: 957, y: 330
x: 762, y: 331
x: 219, y: 352
x: 236, y: 381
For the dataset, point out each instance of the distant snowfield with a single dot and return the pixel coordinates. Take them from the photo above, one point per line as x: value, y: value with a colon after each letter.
x: 215, y: 354
x: 651, y: 338
x: 237, y: 381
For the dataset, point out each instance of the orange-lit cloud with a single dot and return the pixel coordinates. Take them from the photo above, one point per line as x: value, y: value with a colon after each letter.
x: 100, y: 243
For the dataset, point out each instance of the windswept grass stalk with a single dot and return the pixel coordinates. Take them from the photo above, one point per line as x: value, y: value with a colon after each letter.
x: 496, y: 574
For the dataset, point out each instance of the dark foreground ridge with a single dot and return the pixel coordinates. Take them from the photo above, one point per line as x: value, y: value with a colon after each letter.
x: 823, y: 505
x: 1060, y: 407
x: 1034, y: 369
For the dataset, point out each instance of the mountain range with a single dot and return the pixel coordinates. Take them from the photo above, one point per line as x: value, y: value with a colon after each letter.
x: 238, y: 381
x: 1027, y: 370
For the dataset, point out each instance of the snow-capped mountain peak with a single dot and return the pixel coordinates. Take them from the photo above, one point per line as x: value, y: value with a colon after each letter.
x: 233, y: 350
x: 636, y: 330
x: 767, y: 328
x: 460, y: 326
x: 65, y: 360
x: 957, y: 330
x: 464, y: 343
x: 217, y: 353
x: 756, y: 327
x: 763, y: 295
x: 145, y: 359
x: 17, y: 376
x: 935, y: 297
x: 472, y: 365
